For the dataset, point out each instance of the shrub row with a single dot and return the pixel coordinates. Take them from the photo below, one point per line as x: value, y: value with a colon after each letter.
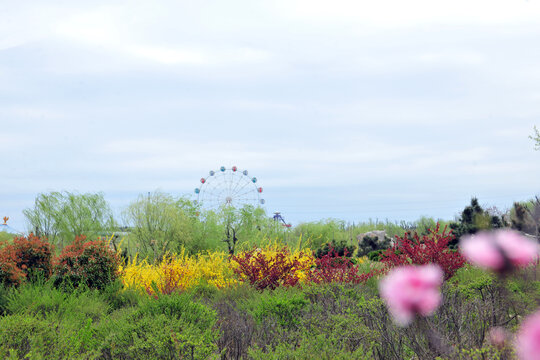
x: 31, y: 258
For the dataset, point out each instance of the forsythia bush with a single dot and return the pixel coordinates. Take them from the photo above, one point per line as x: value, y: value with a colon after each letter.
x: 181, y: 271
x: 178, y: 272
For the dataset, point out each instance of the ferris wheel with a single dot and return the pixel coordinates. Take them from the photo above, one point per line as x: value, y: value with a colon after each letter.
x: 228, y: 187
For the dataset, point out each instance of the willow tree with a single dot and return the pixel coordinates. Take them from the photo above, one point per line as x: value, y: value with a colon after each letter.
x: 61, y: 216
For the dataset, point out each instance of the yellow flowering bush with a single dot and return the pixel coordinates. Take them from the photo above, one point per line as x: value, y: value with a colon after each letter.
x: 179, y: 272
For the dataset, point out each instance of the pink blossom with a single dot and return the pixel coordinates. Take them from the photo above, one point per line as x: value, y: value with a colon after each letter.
x: 498, y: 336
x: 528, y: 338
x: 412, y: 290
x: 499, y: 250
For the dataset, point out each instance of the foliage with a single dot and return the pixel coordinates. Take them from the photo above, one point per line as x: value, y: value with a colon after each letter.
x: 473, y: 219
x: 168, y: 327
x: 432, y: 248
x: 336, y: 249
x: 178, y: 272
x: 323, y: 232
x: 61, y: 216
x: 536, y: 138
x: 33, y: 256
x: 315, y: 321
x: 91, y: 263
x: 526, y: 217
x: 270, y: 269
x: 45, y: 322
x: 161, y: 224
x: 333, y: 267
x: 242, y: 225
x: 309, y: 346
x: 369, y: 244
x: 10, y: 274
x: 284, y: 307
x: 4, y: 236
x: 375, y: 255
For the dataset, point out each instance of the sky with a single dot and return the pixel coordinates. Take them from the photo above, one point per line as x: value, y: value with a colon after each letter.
x: 353, y: 110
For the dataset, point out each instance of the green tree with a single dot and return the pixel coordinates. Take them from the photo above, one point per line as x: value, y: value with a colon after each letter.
x: 60, y: 216
x: 525, y: 216
x: 473, y: 219
x: 160, y: 224
x: 244, y: 225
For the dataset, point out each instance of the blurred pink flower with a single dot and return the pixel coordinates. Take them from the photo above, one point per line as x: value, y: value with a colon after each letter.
x: 498, y: 336
x: 528, y: 338
x: 499, y: 250
x: 412, y: 290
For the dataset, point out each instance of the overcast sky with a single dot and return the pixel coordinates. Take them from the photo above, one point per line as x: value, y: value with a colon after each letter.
x: 347, y: 109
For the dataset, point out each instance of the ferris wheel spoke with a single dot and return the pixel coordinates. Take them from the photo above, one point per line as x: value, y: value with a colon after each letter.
x: 238, y: 183
x: 245, y: 192
x: 234, y: 184
x: 231, y: 180
x: 250, y: 199
x: 217, y: 189
x: 238, y: 191
x: 210, y: 188
x: 210, y: 193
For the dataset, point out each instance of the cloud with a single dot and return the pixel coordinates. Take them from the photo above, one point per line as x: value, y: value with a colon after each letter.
x: 330, y: 105
x: 396, y: 14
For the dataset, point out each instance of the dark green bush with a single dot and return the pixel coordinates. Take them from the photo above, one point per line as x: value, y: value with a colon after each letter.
x: 371, y: 243
x: 335, y: 248
x: 473, y: 219
x: 375, y: 255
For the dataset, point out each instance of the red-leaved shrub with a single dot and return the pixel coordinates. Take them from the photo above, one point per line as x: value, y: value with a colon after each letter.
x: 33, y: 256
x: 10, y: 274
x: 92, y: 263
x: 332, y: 267
x: 267, y: 270
x: 429, y: 249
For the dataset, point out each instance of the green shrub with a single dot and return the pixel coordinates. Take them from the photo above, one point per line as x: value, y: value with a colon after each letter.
x: 375, y: 255
x: 35, y: 299
x: 117, y: 297
x: 283, y: 307
x: 169, y: 327
x: 335, y: 248
x: 371, y: 243
x: 90, y: 263
x: 4, y: 293
x: 24, y: 336
x: 310, y: 346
